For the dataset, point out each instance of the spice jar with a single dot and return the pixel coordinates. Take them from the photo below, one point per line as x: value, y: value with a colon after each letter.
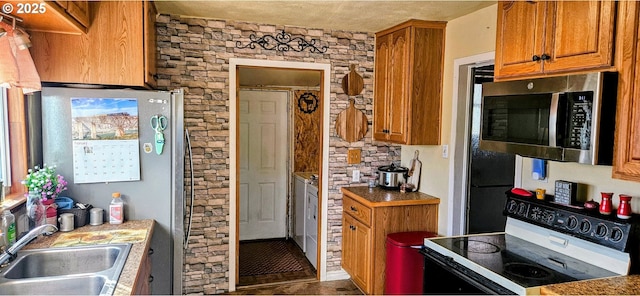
x: 605, y: 204
x: 624, y: 209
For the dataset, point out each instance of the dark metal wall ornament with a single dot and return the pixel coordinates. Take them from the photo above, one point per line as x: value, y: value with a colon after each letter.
x: 308, y: 102
x: 283, y: 42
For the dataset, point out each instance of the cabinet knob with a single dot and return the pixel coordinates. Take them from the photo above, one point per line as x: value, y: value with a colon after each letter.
x: 535, y: 58
x: 150, y: 252
x: 150, y: 278
x: 354, y: 209
x: 545, y: 57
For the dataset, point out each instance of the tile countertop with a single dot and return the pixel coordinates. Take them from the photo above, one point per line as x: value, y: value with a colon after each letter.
x: 619, y: 285
x: 380, y: 197
x: 129, y: 274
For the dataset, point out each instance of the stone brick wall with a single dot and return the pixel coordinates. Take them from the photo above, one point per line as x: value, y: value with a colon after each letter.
x: 194, y: 55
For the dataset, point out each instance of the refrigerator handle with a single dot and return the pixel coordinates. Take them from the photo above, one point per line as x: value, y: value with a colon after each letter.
x: 186, y: 237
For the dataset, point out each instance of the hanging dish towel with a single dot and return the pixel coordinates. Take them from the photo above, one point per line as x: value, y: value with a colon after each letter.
x: 18, y: 69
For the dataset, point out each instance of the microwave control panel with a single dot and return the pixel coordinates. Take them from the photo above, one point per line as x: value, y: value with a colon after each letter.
x: 580, y: 108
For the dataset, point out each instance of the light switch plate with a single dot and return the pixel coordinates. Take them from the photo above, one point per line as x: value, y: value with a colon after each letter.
x: 353, y: 156
x: 445, y: 151
x: 356, y: 176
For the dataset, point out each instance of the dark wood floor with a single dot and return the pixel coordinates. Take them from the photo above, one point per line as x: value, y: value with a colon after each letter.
x: 313, y: 287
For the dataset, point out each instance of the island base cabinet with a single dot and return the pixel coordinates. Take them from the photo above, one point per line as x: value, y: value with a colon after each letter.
x: 364, y: 234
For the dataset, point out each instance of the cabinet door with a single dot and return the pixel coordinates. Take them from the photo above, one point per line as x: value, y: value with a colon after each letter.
x: 111, y: 52
x: 150, y: 44
x: 398, y: 85
x: 626, y: 163
x: 519, y: 38
x: 380, y: 105
x: 579, y: 35
x: 79, y: 10
x: 348, y: 248
x: 356, y: 251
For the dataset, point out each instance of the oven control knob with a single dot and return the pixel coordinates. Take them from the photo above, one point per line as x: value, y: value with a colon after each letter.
x: 513, y: 206
x: 616, y: 234
x: 585, y: 226
x: 522, y: 209
x: 572, y: 222
x: 601, y: 230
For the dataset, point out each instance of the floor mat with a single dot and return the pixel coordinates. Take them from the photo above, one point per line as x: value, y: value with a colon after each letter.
x: 269, y: 256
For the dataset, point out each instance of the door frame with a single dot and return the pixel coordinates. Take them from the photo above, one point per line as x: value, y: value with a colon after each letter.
x: 459, y: 154
x: 323, y: 193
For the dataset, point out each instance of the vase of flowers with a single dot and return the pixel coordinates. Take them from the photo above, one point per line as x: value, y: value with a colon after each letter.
x: 44, y: 186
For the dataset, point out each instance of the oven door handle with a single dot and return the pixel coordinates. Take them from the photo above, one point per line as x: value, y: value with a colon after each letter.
x: 462, y: 272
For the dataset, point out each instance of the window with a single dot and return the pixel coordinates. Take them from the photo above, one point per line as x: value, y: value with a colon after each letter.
x: 5, y: 170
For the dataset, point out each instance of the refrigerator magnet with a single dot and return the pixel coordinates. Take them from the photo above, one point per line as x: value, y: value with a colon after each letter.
x: 147, y: 147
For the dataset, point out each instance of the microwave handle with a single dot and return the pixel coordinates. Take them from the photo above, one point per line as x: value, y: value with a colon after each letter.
x: 553, y: 119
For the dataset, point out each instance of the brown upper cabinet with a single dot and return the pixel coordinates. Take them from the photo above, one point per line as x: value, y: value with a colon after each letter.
x: 626, y: 159
x: 408, y: 83
x: 119, y: 48
x: 536, y: 38
x: 65, y: 17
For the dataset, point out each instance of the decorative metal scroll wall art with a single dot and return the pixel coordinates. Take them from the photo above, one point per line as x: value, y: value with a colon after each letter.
x: 283, y: 42
x: 308, y: 102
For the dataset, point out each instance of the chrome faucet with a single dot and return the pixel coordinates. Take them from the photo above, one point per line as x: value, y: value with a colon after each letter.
x: 10, y: 253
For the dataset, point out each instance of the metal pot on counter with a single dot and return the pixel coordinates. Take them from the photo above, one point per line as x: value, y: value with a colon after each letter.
x: 391, y: 176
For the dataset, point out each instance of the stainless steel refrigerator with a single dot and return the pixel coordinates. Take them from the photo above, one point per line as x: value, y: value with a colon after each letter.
x: 157, y: 193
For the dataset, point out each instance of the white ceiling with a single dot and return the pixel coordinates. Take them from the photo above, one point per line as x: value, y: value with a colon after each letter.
x: 348, y: 15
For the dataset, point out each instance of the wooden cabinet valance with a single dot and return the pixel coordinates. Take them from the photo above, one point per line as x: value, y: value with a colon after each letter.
x: 64, y: 17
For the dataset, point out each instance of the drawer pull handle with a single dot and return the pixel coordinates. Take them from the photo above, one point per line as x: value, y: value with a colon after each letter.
x: 150, y: 252
x: 354, y: 209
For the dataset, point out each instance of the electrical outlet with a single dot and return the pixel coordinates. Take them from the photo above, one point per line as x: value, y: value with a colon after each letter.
x: 445, y: 151
x: 356, y: 176
x: 353, y: 156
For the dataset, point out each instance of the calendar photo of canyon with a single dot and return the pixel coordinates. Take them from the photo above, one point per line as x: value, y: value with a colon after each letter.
x: 104, y: 118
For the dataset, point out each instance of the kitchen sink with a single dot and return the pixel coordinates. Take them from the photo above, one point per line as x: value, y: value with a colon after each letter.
x: 83, y: 285
x: 63, y: 261
x: 89, y: 270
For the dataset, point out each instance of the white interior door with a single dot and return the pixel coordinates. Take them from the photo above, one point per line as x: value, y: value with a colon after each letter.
x: 263, y: 164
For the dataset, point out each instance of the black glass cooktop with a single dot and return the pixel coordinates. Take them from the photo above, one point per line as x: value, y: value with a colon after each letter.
x: 521, y: 262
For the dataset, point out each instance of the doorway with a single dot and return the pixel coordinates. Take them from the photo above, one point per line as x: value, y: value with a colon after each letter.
x: 269, y: 95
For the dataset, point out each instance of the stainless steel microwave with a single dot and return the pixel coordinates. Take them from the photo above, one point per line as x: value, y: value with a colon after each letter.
x: 566, y: 118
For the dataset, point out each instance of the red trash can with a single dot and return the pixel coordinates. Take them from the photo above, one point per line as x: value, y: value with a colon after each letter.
x: 404, y: 269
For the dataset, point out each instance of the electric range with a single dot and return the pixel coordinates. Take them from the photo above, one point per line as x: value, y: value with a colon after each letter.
x: 543, y: 243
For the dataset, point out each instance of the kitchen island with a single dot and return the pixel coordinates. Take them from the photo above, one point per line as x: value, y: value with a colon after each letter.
x: 619, y: 285
x: 368, y: 216
x: 135, y: 273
